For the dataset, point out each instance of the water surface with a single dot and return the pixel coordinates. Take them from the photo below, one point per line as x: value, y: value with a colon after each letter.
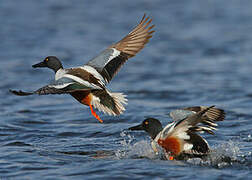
x: 200, y: 55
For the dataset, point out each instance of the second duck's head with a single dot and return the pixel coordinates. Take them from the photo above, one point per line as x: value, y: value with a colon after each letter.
x: 151, y: 125
x: 50, y: 62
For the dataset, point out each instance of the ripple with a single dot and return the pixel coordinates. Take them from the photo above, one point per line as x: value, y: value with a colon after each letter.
x: 17, y: 143
x: 100, y: 154
x: 26, y: 111
x: 69, y: 134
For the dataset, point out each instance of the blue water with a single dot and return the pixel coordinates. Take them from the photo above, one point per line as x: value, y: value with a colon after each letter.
x: 201, y: 54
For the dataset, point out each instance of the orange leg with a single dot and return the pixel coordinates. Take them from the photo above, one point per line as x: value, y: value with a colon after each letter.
x: 171, y: 158
x: 94, y: 114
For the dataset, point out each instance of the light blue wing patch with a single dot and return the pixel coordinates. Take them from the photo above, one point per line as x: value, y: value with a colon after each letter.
x: 180, y: 114
x: 100, y: 61
x: 108, y: 63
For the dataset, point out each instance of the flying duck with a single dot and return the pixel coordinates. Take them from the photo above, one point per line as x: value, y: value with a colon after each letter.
x: 87, y: 83
x: 179, y: 139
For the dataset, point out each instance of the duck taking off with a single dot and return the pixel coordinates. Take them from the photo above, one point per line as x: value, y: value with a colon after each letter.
x: 87, y: 83
x: 179, y: 139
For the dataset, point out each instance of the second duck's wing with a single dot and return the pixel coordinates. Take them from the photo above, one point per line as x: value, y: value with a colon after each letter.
x: 210, y: 117
x: 213, y: 114
x: 207, y: 116
x: 180, y: 135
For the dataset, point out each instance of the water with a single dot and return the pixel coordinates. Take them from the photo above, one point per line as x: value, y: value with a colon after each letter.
x: 200, y: 55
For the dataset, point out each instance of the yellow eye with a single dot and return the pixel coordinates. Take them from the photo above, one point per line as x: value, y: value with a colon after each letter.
x: 47, y: 59
x: 146, y: 123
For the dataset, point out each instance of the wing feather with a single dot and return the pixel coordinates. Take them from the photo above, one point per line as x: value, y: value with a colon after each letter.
x: 189, y: 123
x: 110, y: 60
x: 62, y: 86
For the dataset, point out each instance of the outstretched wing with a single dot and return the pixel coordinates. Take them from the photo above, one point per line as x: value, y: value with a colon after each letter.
x: 213, y: 114
x: 181, y: 135
x: 61, y: 86
x: 110, y: 60
x: 21, y: 93
x: 207, y: 116
x: 41, y: 91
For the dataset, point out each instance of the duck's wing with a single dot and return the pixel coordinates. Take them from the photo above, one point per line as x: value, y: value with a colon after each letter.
x: 213, y: 114
x: 180, y: 114
x: 180, y: 135
x: 199, y: 144
x: 110, y: 60
x: 206, y: 116
x: 62, y: 86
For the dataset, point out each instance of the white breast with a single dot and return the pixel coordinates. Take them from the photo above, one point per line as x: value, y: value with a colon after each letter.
x: 59, y: 74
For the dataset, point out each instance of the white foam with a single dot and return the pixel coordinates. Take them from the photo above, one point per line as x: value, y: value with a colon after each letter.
x: 220, y: 156
x: 131, y: 149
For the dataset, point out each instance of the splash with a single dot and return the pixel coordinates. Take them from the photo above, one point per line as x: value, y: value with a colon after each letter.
x: 131, y: 149
x: 221, y: 156
x: 247, y: 138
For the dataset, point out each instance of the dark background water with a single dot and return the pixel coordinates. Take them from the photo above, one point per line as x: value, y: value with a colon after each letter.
x: 201, y: 54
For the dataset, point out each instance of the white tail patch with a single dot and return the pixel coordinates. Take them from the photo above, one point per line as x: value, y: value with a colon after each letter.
x: 119, y: 99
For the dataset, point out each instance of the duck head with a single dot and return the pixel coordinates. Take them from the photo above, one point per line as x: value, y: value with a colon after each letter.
x: 50, y: 62
x: 151, y: 125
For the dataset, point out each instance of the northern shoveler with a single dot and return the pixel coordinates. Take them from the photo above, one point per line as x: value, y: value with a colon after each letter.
x: 179, y: 139
x: 87, y: 83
